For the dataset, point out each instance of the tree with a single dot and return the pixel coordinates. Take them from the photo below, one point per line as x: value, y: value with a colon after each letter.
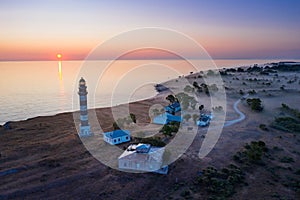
x: 166, y: 130
x: 213, y: 88
x: 132, y: 116
x: 171, y: 98
x: 201, y: 107
x: 210, y: 73
x: 185, y: 104
x: 195, y: 84
x: 187, y: 117
x: 255, y: 104
x: 188, y: 89
x: 195, y: 118
x: 155, y: 112
x: 115, y: 126
x: 193, y: 103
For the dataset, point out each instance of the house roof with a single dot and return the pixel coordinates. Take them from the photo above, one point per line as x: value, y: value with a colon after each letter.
x: 165, y: 117
x: 139, y: 148
x: 117, y: 133
x: 154, y: 153
x: 173, y: 105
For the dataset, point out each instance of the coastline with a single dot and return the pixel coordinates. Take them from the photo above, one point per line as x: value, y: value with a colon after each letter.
x: 43, y: 156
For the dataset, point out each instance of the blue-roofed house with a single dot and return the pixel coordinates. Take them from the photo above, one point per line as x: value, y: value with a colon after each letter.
x: 165, y: 118
x: 173, y: 108
x: 116, y: 136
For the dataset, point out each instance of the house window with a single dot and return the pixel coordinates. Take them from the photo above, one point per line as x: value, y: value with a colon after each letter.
x: 126, y: 137
x: 115, y: 140
x: 125, y: 165
x: 119, y: 139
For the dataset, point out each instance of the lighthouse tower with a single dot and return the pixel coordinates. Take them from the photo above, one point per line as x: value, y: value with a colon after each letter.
x: 85, y: 129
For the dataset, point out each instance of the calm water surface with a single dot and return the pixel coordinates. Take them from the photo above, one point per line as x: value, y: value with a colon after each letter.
x: 30, y: 89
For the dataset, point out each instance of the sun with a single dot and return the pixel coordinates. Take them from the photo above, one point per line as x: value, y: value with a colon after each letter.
x: 59, y: 56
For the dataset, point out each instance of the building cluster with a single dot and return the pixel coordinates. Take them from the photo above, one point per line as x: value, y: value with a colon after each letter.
x: 137, y: 157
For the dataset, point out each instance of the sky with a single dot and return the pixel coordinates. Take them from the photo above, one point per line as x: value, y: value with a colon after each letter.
x: 227, y: 29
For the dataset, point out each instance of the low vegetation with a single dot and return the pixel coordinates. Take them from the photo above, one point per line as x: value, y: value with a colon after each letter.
x: 263, y: 127
x: 255, y: 104
x: 186, y: 101
x: 169, y: 129
x: 218, y: 109
x: 287, y: 124
x: 290, y: 123
x: 252, y: 153
x: 154, y: 141
x: 221, y: 184
x: 121, y: 122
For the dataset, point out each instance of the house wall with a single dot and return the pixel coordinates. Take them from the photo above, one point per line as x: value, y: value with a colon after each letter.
x: 143, y: 165
x: 117, y: 140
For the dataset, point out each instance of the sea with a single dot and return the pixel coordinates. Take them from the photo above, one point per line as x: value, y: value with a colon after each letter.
x: 41, y: 88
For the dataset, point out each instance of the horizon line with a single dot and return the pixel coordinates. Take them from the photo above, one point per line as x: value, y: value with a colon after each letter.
x: 107, y: 59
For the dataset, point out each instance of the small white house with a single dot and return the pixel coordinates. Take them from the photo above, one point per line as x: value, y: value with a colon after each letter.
x: 116, y: 136
x: 143, y: 158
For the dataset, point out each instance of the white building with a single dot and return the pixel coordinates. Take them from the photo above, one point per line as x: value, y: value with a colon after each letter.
x: 143, y: 158
x: 116, y: 136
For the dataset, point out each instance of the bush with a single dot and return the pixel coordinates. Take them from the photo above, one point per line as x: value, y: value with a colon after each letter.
x: 286, y: 159
x: 188, y: 89
x: 185, y: 193
x: 252, y: 153
x: 218, y: 109
x: 170, y: 128
x: 287, y: 124
x: 187, y: 117
x: 255, y: 104
x: 294, y: 112
x: 133, y: 117
x: 115, y: 126
x: 195, y: 118
x: 221, y: 184
x: 263, y: 127
x: 154, y: 141
x: 252, y: 92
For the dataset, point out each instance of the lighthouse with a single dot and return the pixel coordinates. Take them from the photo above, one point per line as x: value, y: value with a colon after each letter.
x: 85, y: 129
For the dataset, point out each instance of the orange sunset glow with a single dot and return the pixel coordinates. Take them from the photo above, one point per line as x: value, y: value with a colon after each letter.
x: 234, y: 30
x: 59, y: 56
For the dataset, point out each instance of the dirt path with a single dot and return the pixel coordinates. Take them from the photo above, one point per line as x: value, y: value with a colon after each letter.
x: 242, y: 115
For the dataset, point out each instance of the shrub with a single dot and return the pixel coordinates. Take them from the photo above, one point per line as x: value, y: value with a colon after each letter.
x: 287, y: 124
x: 252, y: 92
x: 255, y: 104
x: 188, y: 89
x: 195, y: 118
x: 252, y: 153
x: 187, y: 117
x: 154, y: 141
x: 115, y: 126
x: 218, y: 109
x: 286, y: 159
x: 221, y: 184
x: 263, y: 127
x: 133, y: 117
x: 170, y: 128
